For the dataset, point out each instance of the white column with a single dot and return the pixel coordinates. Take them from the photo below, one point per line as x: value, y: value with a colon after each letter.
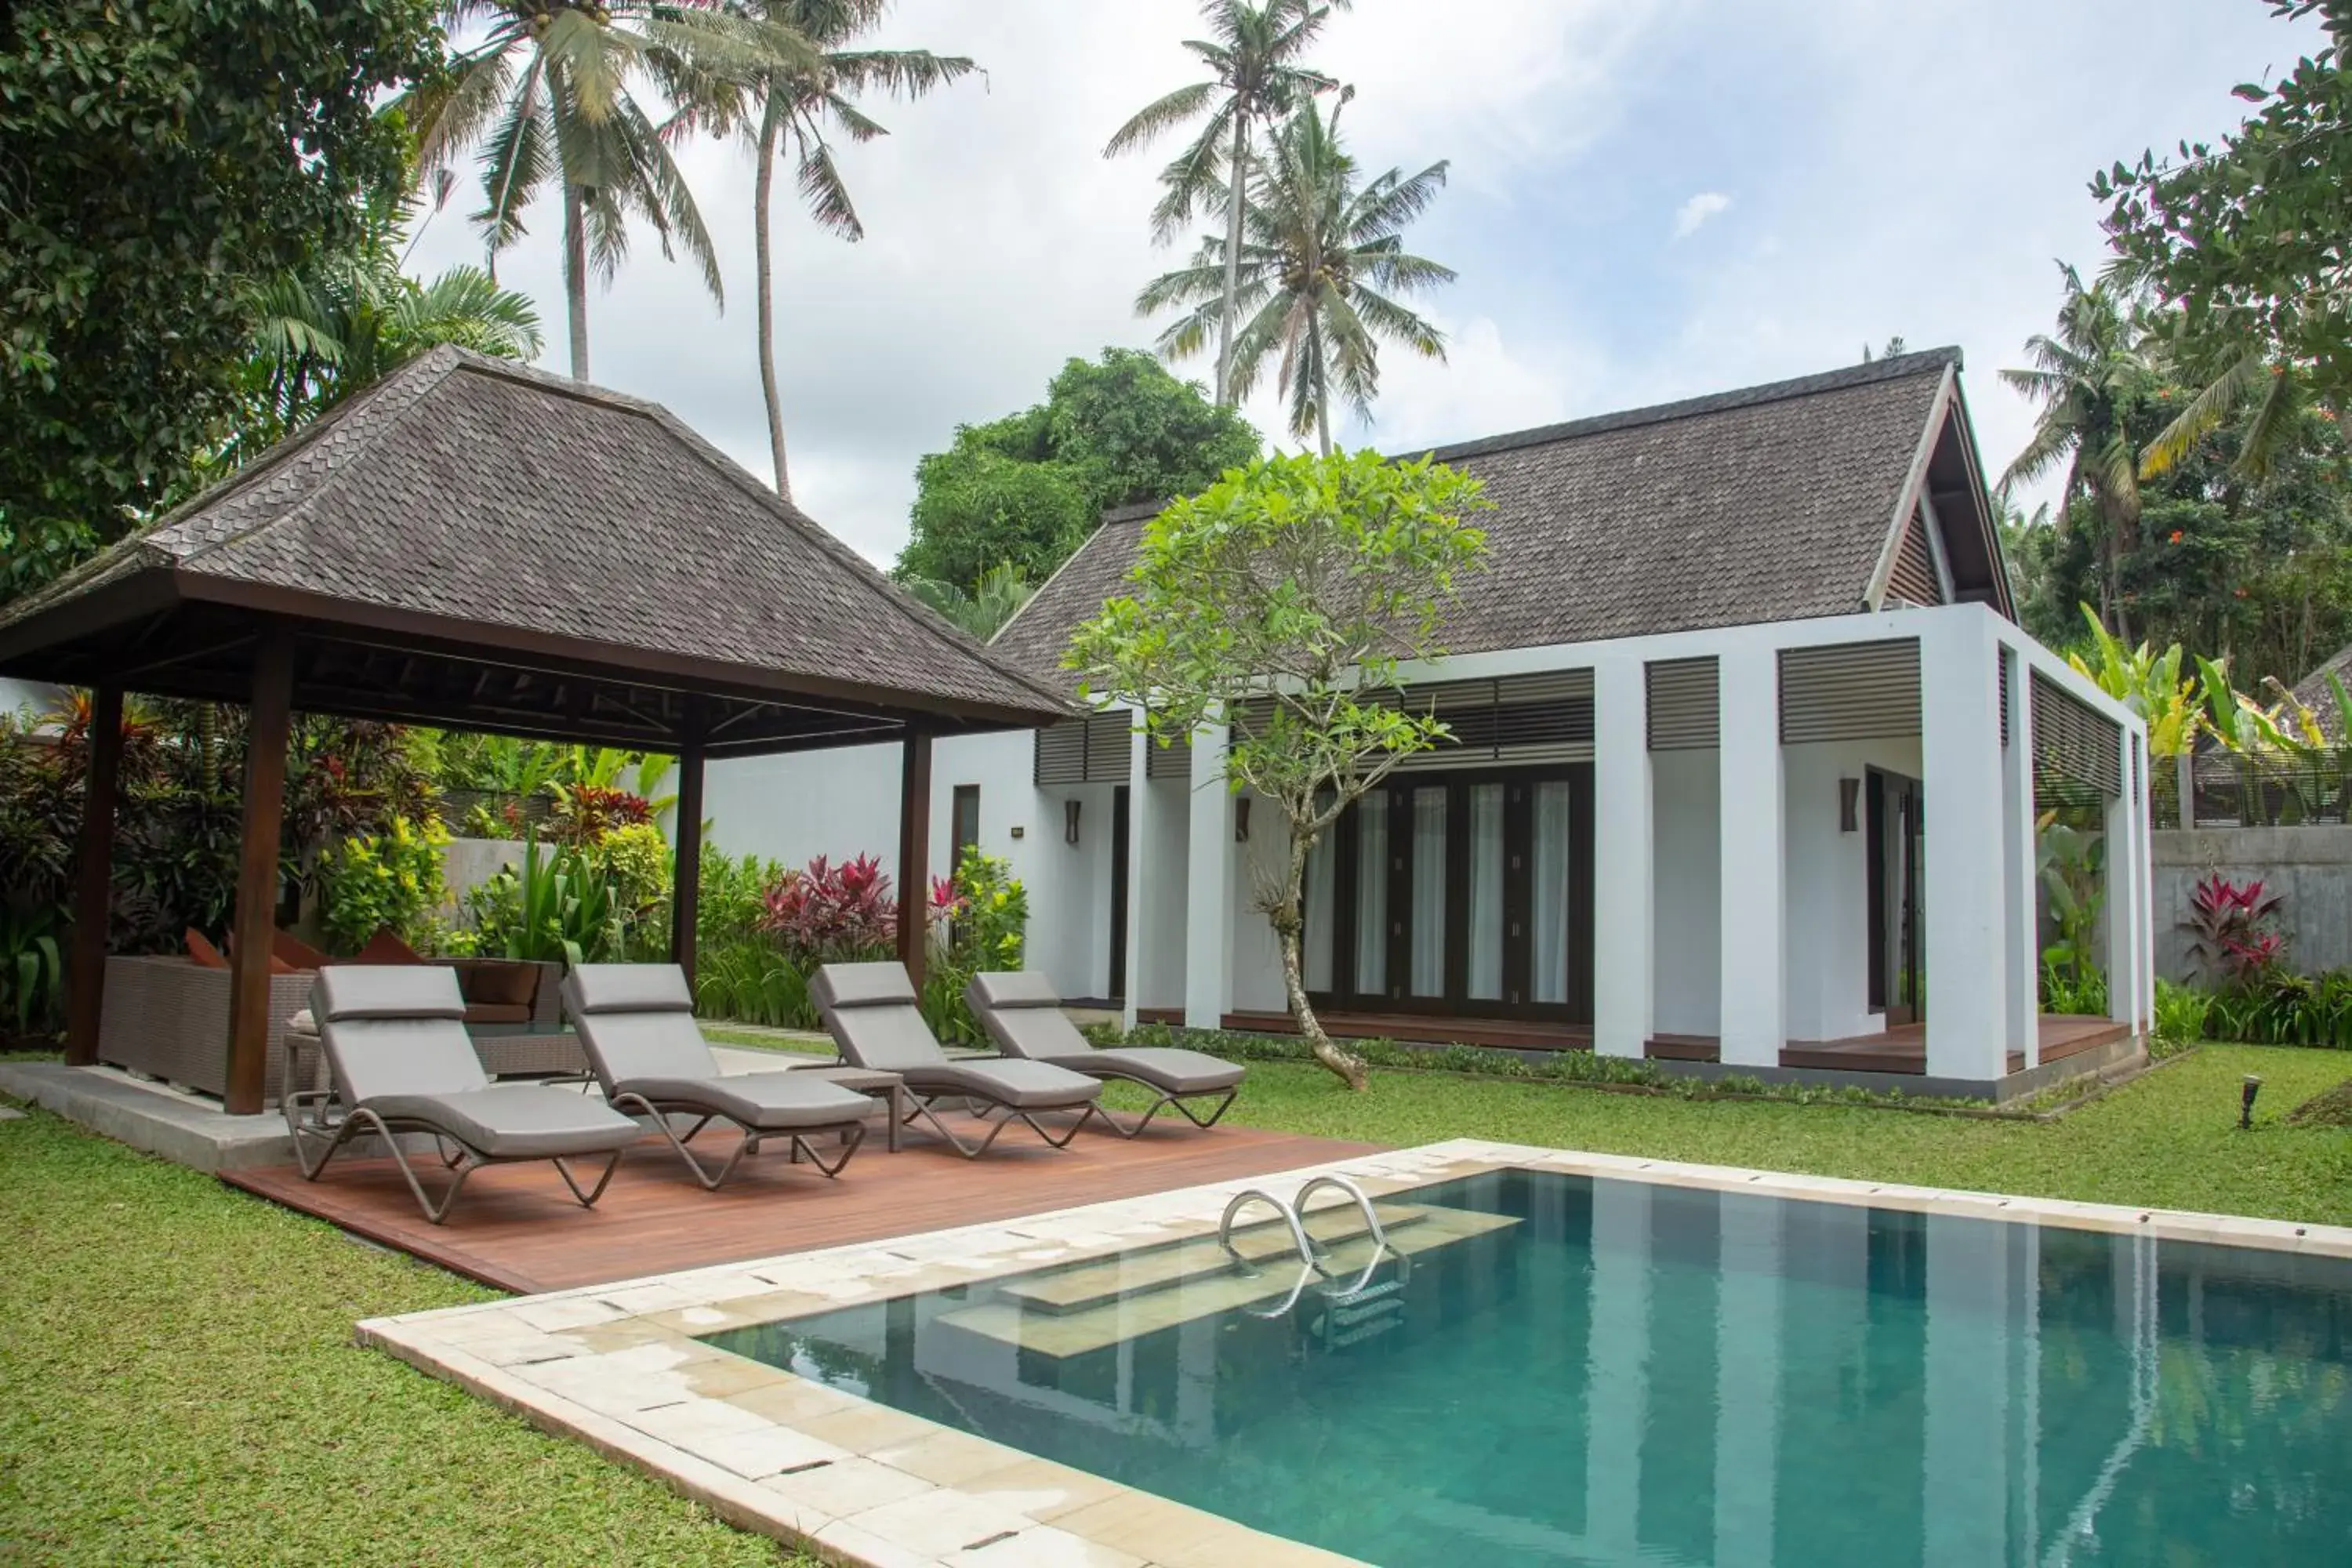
x: 2126, y: 906
x: 1208, y: 886
x: 2022, y: 1012
x: 1623, y: 962
x: 1139, y: 868
x: 2144, y: 874
x: 1968, y: 993
x: 1755, y: 854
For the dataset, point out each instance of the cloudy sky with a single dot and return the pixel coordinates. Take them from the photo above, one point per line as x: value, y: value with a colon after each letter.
x: 1648, y: 199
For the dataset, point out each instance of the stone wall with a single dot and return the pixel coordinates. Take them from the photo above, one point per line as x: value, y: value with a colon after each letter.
x: 2312, y: 867
x: 467, y: 863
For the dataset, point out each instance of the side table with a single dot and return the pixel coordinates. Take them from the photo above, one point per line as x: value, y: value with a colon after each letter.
x: 886, y: 1086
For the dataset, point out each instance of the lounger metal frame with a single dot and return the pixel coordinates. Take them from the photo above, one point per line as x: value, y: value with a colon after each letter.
x: 468, y: 1159
x: 634, y: 1104
x: 1167, y: 1097
x: 981, y: 1106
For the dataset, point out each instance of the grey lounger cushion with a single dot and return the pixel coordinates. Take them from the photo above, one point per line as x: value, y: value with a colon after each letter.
x: 516, y: 1120
x: 1023, y: 1016
x: 396, y: 1044
x: 764, y: 1102
x: 871, y: 1010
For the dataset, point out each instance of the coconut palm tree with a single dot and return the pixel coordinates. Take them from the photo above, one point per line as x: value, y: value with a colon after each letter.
x: 791, y: 106
x: 982, y: 612
x: 555, y: 92
x: 1258, y: 79
x: 2088, y: 378
x: 1317, y: 278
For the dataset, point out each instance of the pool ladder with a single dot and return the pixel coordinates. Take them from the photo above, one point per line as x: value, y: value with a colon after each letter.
x: 1353, y: 1312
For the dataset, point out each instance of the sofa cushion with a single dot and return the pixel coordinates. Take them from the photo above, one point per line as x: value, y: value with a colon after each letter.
x: 201, y: 949
x: 386, y: 947
x: 497, y: 1013
x: 498, y: 981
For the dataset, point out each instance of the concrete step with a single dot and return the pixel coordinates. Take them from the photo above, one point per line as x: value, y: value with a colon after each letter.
x: 1215, y: 1285
x: 1265, y: 1243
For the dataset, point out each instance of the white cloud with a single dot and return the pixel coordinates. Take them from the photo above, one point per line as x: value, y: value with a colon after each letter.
x: 1693, y: 214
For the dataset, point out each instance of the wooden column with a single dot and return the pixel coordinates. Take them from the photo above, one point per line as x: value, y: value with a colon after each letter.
x: 256, y: 875
x: 914, y: 852
x: 93, y: 888
x: 685, y: 880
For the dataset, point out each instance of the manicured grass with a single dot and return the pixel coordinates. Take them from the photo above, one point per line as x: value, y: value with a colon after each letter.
x: 2168, y: 1141
x: 178, y: 1385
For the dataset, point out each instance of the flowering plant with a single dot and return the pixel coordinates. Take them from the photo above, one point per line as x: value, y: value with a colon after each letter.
x: 2229, y: 928
x: 828, y: 913
x: 585, y: 813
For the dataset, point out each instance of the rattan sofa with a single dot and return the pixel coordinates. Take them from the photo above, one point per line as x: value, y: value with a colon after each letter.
x: 166, y: 1015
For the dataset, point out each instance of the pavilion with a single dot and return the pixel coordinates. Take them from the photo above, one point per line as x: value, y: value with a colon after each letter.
x: 477, y: 545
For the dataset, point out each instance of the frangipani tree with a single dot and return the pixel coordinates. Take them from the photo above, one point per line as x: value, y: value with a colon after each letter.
x: 1284, y: 598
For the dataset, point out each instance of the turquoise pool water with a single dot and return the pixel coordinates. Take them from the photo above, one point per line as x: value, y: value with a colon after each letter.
x: 1577, y: 1370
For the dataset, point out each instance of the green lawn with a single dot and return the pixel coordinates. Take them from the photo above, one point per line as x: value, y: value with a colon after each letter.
x: 178, y: 1382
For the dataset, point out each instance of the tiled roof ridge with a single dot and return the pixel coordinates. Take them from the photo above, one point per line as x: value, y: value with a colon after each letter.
x: 861, y: 571
x: 1925, y: 361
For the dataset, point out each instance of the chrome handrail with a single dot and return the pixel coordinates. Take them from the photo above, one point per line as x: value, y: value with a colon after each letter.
x: 1371, y: 1219
x: 1240, y: 1201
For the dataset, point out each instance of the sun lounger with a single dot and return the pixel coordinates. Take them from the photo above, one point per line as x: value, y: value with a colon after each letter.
x: 401, y: 1062
x: 1023, y: 1016
x: 871, y: 1010
x: 636, y: 1023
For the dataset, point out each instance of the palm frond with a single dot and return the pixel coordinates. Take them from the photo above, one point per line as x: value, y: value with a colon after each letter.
x: 2273, y: 425
x: 823, y: 191
x: 1158, y: 117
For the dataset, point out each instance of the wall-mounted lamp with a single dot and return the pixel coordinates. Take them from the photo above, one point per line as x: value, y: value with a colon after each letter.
x: 1849, y: 798
x: 1241, y: 820
x: 1070, y: 821
x: 1018, y: 831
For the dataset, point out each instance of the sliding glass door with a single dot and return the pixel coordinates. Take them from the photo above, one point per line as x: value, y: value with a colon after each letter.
x: 1467, y: 894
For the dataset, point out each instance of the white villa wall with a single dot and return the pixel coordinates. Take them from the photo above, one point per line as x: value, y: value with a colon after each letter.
x: 1829, y: 888
x: 797, y: 806
x: 1163, y: 839
x: 1256, y: 962
x: 1687, y: 898
x: 36, y: 695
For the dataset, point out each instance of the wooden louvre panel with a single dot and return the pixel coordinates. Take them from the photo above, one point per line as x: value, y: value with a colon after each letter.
x: 1850, y: 691
x: 1060, y: 755
x: 1110, y: 746
x: 1913, y: 576
x: 2000, y: 663
x: 1545, y: 717
x: 2074, y: 742
x: 1685, y: 705
x: 1173, y: 761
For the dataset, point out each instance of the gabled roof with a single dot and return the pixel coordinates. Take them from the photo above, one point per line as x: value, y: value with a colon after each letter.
x: 2316, y: 693
x: 514, y: 520
x: 1770, y: 503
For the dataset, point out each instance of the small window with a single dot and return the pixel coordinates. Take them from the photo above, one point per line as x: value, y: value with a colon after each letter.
x: 963, y: 830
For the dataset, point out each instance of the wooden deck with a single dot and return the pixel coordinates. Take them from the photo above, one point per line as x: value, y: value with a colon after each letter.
x: 1901, y: 1048
x: 516, y: 1229
x: 1413, y: 1028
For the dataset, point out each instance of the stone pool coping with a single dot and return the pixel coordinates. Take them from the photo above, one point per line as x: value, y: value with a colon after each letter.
x: 623, y: 1368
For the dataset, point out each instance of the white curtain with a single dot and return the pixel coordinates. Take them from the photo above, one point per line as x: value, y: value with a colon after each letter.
x: 1373, y: 896
x: 1486, y: 891
x: 1548, y: 952
x: 1316, y: 939
x: 1429, y: 891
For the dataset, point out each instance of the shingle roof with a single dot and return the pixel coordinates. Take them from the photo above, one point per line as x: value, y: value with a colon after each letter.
x: 1769, y: 503
x: 2315, y: 693
x: 477, y: 491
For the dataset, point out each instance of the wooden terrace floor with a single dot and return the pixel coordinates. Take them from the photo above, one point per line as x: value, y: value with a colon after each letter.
x: 516, y: 1229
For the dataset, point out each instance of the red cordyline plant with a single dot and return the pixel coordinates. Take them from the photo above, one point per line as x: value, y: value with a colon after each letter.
x: 829, y: 912
x: 2229, y: 931
x: 585, y: 813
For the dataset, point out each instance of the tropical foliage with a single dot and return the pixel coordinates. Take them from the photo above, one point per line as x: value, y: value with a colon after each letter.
x: 1023, y: 492
x: 1258, y: 77
x: 162, y: 160
x: 982, y: 613
x: 390, y: 880
x: 1286, y: 595
x: 1314, y: 281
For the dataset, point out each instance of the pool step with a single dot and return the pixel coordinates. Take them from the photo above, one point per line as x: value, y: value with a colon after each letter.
x: 1215, y: 1286
x: 1267, y: 1245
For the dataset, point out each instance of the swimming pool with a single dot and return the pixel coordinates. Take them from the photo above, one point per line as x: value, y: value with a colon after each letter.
x: 1567, y: 1368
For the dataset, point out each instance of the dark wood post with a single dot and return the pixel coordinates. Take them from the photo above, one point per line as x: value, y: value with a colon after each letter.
x: 94, y: 884
x: 267, y: 734
x: 686, y: 879
x: 914, y: 852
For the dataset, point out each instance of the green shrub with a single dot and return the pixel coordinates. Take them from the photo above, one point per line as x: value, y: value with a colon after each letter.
x: 557, y: 906
x: 980, y: 925
x: 388, y: 880
x: 748, y: 980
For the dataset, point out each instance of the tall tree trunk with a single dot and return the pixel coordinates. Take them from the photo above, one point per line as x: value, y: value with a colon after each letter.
x: 1288, y: 926
x: 763, y: 251
x: 1234, y: 181
x: 576, y: 276
x: 1323, y: 423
